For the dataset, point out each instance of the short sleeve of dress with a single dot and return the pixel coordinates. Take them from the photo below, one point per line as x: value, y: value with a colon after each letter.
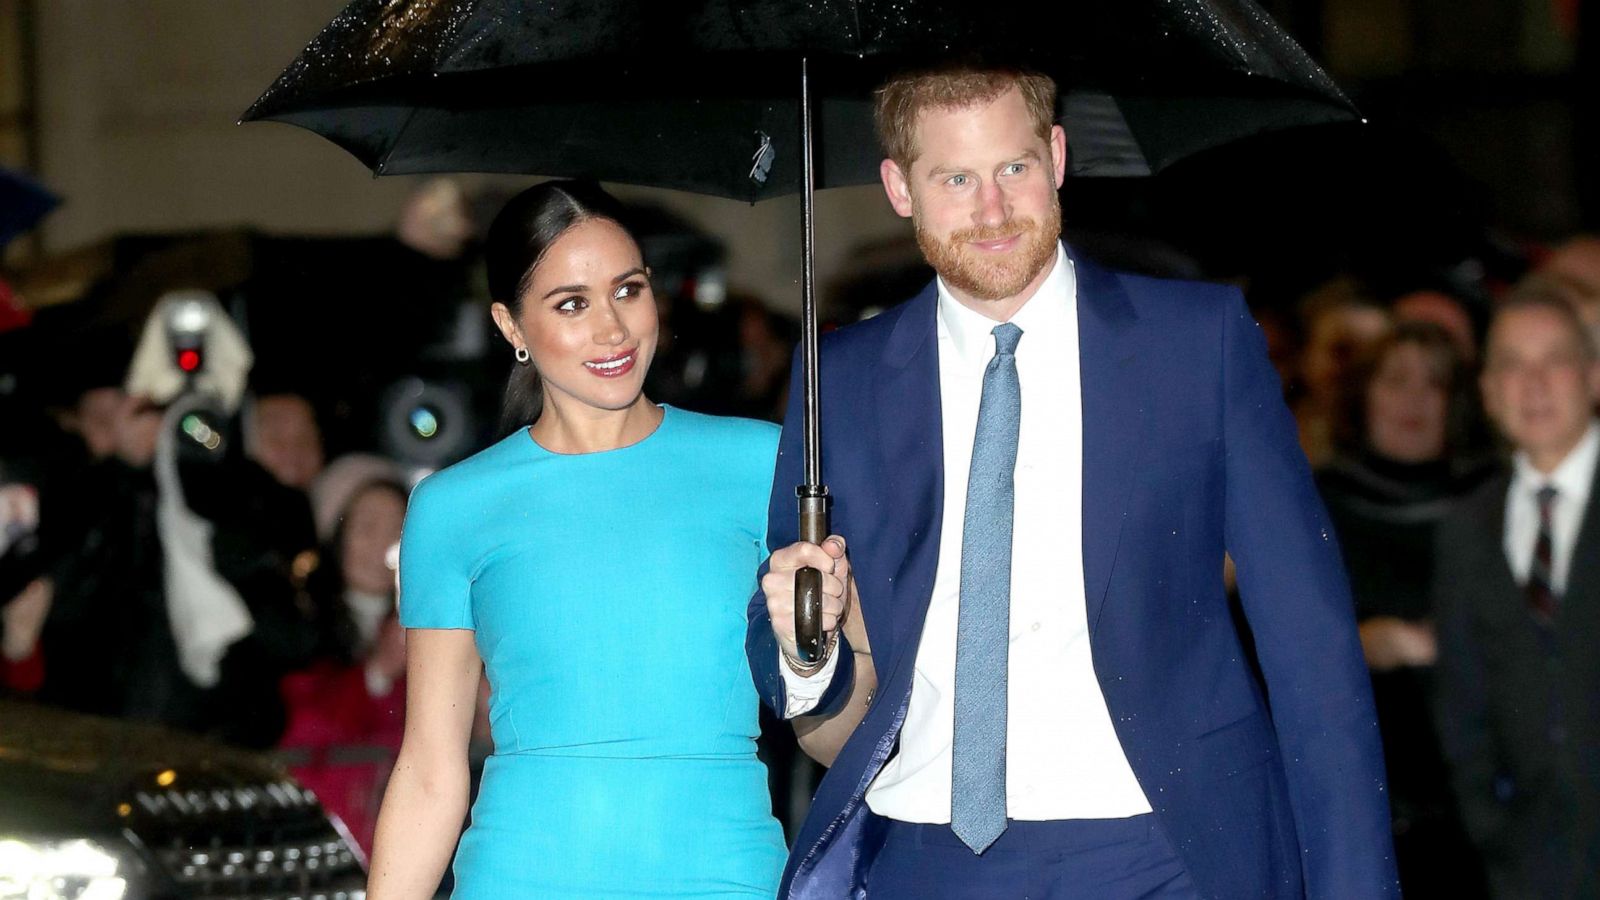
x: 435, y: 566
x: 764, y: 455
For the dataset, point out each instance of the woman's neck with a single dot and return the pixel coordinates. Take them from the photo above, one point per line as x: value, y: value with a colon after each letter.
x: 576, y: 427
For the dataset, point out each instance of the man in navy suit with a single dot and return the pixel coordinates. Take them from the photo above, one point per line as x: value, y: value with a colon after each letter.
x: 1032, y: 684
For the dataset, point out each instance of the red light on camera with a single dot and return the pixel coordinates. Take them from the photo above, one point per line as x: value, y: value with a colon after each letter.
x: 189, y: 360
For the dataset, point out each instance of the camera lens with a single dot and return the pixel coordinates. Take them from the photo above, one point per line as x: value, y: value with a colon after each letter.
x: 424, y: 422
x: 202, y: 431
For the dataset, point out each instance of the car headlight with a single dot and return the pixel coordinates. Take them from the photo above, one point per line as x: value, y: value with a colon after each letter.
x: 58, y: 870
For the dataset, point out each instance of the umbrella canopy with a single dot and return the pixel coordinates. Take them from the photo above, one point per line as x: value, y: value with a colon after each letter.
x: 702, y: 95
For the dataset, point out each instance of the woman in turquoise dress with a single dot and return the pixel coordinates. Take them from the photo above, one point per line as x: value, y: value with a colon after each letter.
x: 597, y: 566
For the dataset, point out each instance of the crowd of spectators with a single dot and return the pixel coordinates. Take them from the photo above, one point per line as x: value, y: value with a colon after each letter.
x: 1432, y: 427
x: 1390, y: 395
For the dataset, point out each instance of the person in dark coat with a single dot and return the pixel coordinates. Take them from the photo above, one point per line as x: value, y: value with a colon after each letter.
x: 108, y: 645
x: 346, y: 708
x: 1517, y: 585
x: 1386, y: 496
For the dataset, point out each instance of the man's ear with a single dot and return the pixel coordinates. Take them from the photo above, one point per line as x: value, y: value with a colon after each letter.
x: 896, y: 186
x: 1058, y: 153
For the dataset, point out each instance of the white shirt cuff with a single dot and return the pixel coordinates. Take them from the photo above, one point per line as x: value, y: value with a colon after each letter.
x: 801, y: 692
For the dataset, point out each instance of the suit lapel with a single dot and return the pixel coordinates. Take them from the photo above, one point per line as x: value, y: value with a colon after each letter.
x: 1113, y: 420
x: 1581, y: 601
x: 1494, y: 523
x: 911, y: 448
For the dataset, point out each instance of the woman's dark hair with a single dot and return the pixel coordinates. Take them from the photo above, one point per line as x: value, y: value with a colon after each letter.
x: 1446, y: 365
x: 518, y: 239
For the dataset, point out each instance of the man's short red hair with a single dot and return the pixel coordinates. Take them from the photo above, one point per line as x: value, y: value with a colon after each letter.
x: 902, y: 99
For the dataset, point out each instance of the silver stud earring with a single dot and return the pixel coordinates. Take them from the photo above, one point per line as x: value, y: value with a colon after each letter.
x: 522, y: 355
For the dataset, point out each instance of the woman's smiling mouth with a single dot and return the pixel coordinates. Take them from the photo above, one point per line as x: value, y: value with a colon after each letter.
x: 613, y: 366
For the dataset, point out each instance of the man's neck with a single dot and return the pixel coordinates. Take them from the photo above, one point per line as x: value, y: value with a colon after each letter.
x: 1547, y: 460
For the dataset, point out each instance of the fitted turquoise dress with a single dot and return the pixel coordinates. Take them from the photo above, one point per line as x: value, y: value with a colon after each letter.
x: 607, y: 593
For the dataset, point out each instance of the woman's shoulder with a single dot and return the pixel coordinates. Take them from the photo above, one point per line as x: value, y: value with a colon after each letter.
x: 478, y: 472
x: 728, y: 432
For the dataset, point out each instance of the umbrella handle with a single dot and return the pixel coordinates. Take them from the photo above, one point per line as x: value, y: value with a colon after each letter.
x: 808, y: 613
x: 808, y: 580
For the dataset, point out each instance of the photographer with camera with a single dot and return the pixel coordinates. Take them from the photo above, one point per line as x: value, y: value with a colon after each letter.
x: 179, y: 607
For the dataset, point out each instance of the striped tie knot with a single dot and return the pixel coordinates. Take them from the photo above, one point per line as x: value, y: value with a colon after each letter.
x: 1547, y: 496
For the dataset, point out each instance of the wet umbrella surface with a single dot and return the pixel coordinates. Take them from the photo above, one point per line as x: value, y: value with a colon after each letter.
x: 701, y: 96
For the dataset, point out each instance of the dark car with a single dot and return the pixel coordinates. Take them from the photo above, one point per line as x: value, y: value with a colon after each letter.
x: 95, y: 809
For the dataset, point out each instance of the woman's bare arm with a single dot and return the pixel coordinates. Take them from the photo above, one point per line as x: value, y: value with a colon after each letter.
x: 822, y: 737
x: 426, y: 800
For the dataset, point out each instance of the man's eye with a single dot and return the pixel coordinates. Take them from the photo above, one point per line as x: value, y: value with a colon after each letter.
x: 1013, y: 169
x: 956, y: 181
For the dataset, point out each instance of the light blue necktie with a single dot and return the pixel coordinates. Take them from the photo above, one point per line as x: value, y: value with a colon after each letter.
x: 978, y: 755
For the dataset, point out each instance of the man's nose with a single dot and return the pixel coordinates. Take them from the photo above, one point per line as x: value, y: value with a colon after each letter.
x: 993, y: 206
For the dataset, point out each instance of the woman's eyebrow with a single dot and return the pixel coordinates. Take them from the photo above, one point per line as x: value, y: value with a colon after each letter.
x: 566, y: 289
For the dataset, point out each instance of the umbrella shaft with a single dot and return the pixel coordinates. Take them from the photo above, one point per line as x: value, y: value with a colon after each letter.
x: 812, y: 455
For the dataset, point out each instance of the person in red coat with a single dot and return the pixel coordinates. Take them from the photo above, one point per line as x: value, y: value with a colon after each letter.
x: 346, y: 709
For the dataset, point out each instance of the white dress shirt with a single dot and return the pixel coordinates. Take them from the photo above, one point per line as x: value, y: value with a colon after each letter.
x: 1063, y: 758
x: 1572, y: 479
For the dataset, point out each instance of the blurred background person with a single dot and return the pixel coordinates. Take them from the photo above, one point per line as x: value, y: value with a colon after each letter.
x: 1339, y: 324
x: 1386, y: 494
x: 284, y: 439
x: 25, y: 543
x: 24, y: 594
x: 1445, y: 311
x: 346, y: 708
x: 157, y: 572
x: 1573, y: 269
x: 436, y: 220
x: 94, y: 419
x: 1517, y: 587
x: 766, y: 347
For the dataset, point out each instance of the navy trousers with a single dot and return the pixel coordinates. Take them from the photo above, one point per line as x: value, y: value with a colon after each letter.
x: 1074, y: 859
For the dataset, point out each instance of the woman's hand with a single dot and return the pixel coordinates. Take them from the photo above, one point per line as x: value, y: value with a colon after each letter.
x: 24, y: 619
x: 387, y: 659
x: 1391, y: 643
x: 778, y: 586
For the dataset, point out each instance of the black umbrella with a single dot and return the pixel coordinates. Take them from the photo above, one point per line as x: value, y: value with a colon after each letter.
x: 23, y: 202
x: 729, y: 98
x: 688, y: 94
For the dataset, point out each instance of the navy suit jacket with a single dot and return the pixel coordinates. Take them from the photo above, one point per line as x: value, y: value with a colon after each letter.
x: 1269, y: 785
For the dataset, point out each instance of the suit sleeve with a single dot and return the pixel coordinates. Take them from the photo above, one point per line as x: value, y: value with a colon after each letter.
x: 783, y: 529
x: 1297, y: 601
x: 1461, y: 704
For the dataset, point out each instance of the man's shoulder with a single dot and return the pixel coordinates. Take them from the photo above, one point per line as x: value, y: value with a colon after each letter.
x: 870, y: 335
x: 1478, y: 514
x: 1159, y: 296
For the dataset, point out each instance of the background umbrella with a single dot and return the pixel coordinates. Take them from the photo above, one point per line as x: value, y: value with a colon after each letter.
x: 23, y: 202
x: 730, y: 98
